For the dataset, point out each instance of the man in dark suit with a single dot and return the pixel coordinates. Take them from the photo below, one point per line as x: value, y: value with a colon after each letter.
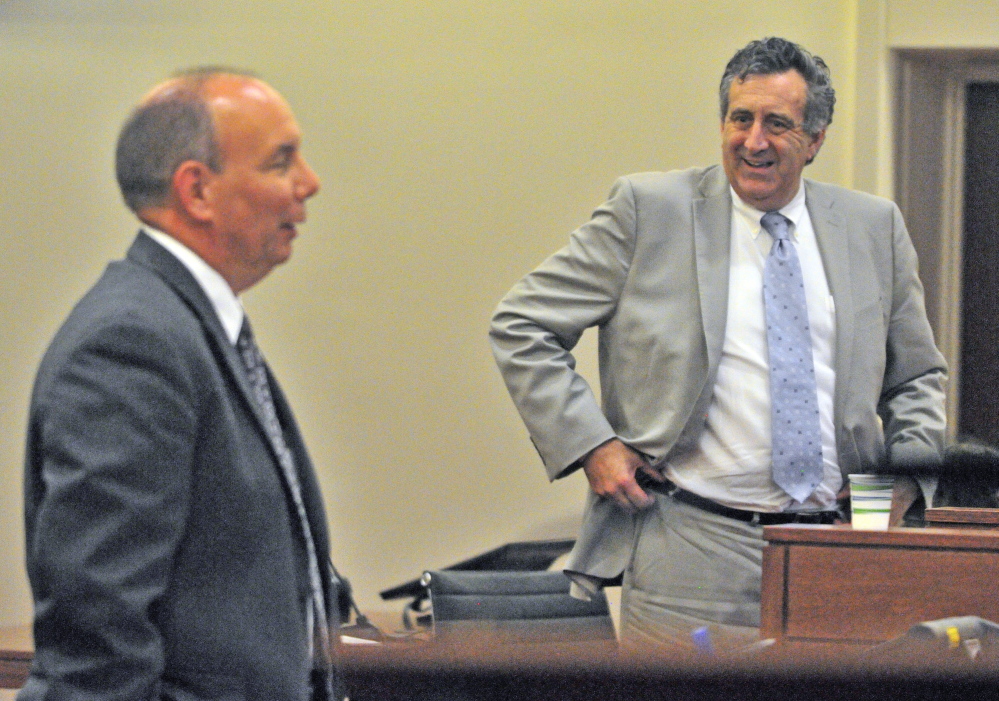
x: 177, y: 544
x: 681, y: 456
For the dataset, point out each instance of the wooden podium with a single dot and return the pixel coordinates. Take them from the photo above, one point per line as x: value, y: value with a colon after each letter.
x: 834, y: 587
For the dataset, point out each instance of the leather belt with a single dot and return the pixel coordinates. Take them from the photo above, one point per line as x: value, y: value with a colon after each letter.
x: 760, y: 518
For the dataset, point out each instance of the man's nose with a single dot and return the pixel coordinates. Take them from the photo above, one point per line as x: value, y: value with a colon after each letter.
x: 308, y: 182
x: 757, y: 138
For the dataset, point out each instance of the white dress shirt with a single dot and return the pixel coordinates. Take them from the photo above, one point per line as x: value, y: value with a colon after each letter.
x: 226, y: 304
x: 731, y: 462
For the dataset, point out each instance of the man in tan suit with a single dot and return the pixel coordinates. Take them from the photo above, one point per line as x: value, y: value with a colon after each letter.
x: 671, y: 270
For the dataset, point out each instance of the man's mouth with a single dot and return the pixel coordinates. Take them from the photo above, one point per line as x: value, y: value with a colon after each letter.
x: 757, y: 163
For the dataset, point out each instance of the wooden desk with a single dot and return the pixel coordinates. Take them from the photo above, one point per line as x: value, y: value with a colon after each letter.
x: 962, y: 517
x: 430, y: 673
x: 836, y: 587
x: 16, y: 649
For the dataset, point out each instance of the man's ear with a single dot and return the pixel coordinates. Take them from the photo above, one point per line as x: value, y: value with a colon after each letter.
x: 813, y: 148
x: 191, y: 186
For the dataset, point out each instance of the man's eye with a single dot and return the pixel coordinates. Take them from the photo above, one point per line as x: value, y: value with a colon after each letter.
x: 779, y: 126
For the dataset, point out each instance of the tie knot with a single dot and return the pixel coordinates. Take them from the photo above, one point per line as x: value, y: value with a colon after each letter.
x: 245, y: 337
x: 777, y: 225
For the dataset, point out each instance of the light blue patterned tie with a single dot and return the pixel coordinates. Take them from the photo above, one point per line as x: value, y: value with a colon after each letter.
x: 794, y: 410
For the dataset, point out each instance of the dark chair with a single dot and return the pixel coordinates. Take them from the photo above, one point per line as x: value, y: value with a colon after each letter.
x: 529, y: 555
x: 969, y: 477
x: 514, y: 607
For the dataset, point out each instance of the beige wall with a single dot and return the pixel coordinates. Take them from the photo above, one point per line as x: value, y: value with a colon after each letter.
x: 458, y: 143
x: 943, y: 24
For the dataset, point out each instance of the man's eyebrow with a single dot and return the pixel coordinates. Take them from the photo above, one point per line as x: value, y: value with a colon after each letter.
x: 742, y: 111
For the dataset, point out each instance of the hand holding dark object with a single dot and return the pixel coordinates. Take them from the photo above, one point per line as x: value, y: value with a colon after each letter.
x: 611, y: 468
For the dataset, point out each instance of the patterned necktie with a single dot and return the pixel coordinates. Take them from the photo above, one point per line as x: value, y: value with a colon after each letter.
x: 796, y: 437
x: 256, y: 372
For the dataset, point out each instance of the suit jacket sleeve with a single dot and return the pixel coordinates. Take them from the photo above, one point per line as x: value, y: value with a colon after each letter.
x: 111, y: 436
x: 538, y: 323
x: 912, y: 393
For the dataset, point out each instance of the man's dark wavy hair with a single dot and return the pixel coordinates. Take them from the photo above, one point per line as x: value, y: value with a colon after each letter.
x: 775, y: 55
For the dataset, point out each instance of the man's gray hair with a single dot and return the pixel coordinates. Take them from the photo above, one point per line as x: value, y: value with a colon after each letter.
x: 164, y: 132
x: 775, y: 55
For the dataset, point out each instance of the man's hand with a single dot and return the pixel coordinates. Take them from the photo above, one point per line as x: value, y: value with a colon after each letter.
x: 611, y: 469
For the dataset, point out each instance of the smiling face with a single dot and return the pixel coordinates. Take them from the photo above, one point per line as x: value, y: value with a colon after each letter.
x: 258, y: 197
x: 764, y: 148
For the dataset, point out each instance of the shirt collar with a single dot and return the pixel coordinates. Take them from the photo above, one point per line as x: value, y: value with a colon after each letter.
x: 227, y: 306
x: 793, y: 210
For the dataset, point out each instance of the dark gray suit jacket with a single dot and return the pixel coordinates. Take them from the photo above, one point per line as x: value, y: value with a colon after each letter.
x: 651, y: 270
x: 163, y: 555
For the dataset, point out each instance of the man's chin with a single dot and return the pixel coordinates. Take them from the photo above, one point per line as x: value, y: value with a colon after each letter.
x: 756, y: 194
x: 282, y: 252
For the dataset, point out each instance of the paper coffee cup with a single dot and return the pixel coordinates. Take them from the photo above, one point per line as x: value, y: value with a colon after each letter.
x: 870, y: 501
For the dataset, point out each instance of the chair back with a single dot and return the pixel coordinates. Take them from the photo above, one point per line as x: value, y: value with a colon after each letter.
x: 514, y: 607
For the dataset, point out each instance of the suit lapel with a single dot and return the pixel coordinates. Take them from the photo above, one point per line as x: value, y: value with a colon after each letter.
x: 712, y: 217
x: 311, y: 493
x: 833, y: 237
x: 146, y: 252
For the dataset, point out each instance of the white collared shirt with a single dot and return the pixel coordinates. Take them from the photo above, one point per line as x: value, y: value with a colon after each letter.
x: 225, y: 303
x: 731, y: 462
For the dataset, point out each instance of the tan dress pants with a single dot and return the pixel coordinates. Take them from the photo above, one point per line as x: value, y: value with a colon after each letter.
x: 690, y: 569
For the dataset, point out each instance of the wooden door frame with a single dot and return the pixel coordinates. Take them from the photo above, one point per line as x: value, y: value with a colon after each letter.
x: 930, y: 96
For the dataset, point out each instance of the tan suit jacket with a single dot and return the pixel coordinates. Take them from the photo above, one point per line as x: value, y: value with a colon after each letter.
x: 651, y: 270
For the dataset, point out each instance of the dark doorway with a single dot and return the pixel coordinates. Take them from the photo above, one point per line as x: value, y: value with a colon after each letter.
x: 979, y: 381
